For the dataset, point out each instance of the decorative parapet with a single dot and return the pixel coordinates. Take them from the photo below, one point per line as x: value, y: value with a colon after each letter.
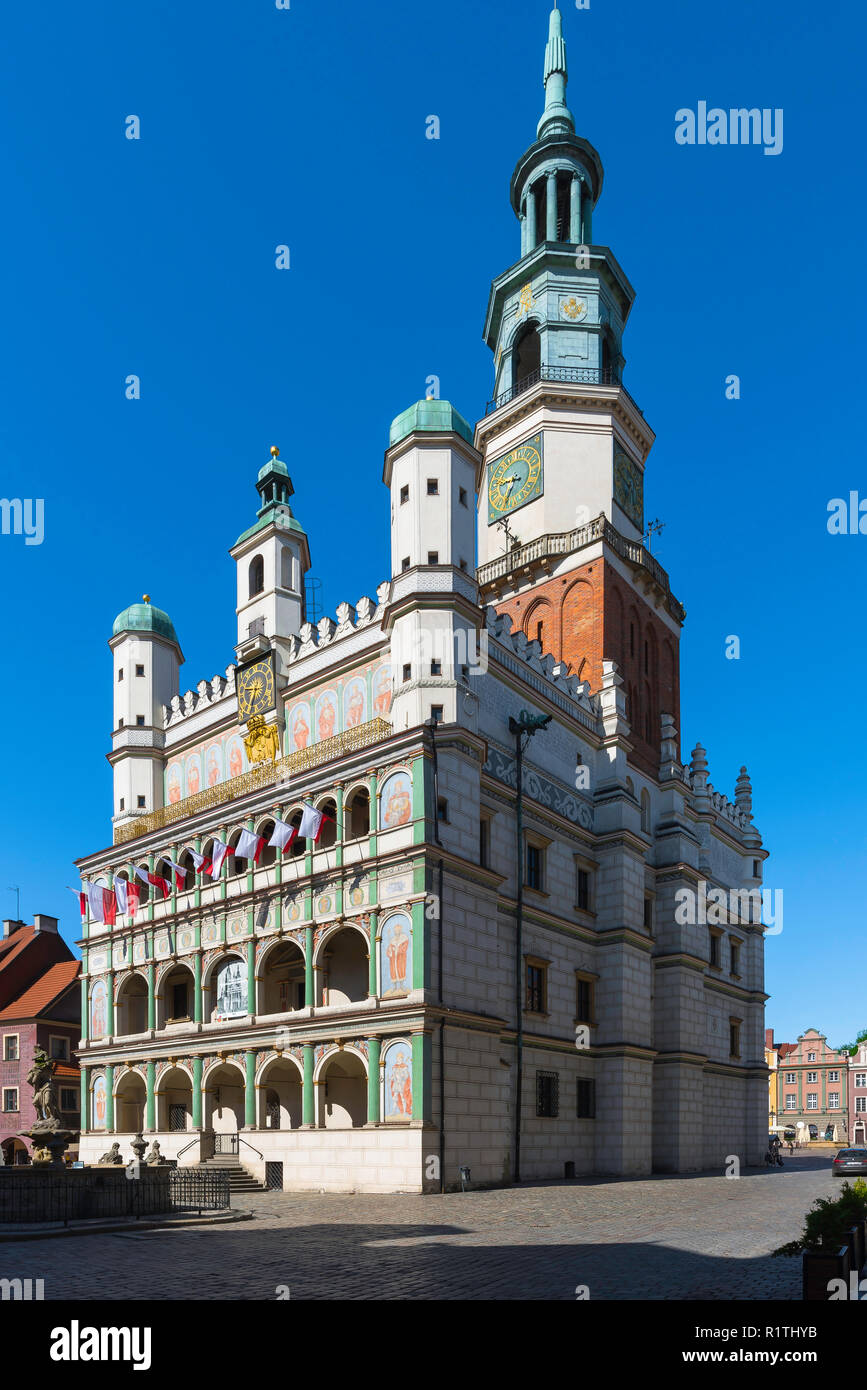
x: 263, y: 775
x: 206, y: 693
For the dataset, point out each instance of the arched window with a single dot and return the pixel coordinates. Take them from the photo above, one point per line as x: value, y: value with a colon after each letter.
x: 328, y: 834
x: 357, y: 814
x: 256, y: 575
x: 526, y: 357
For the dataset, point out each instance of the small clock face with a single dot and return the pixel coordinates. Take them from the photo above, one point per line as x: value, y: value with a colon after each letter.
x: 515, y: 479
x: 255, y: 689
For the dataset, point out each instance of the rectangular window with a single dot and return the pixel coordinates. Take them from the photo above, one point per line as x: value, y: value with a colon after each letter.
x: 861, y: 1078
x: 10, y: 1047
x: 734, y: 1037
x: 735, y: 947
x: 407, y: 672
x: 484, y: 843
x: 433, y: 557
x: 861, y: 1105
x: 433, y: 487
x: 122, y: 803
x: 10, y: 1099
x: 791, y: 1078
x: 584, y: 998
x: 812, y: 1100
x: 404, y: 564
x: 534, y: 867
x: 404, y: 494
x: 436, y: 668
x: 442, y: 809
x: 139, y: 719
x: 757, y: 868
x: 536, y: 990
x: 462, y: 494
x: 812, y: 1078
x: 648, y: 915
x: 139, y: 670
x: 833, y: 1100
x: 58, y: 1048
x: 585, y: 1108
x: 714, y: 949
x: 582, y: 890
x: 141, y: 802
x: 120, y: 673
x: 436, y: 713
x: 68, y: 1098
x: 547, y: 1094
x: 811, y: 1056
x: 791, y: 1102
x: 179, y: 1001
x: 833, y: 1076
x: 120, y: 723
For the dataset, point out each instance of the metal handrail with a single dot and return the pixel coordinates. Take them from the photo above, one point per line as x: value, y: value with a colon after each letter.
x: 250, y: 1146
x: 589, y: 376
x: 192, y: 1143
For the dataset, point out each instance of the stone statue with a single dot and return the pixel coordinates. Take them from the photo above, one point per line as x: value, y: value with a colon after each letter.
x: 41, y: 1078
x: 114, y: 1155
x: 153, y: 1157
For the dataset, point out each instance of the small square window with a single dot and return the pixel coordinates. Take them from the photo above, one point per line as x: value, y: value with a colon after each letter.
x: 68, y: 1098
x: 10, y: 1099
x: 122, y: 803
x: 10, y: 1047
x: 407, y: 672
x: 139, y: 719
x: 442, y: 809
x: 139, y: 670
x: 548, y: 1094
x: 120, y: 723
x: 120, y: 673
x: 811, y: 1056
x: 436, y: 713
x: 141, y: 802
x: 59, y: 1049
x: 404, y: 564
x: 436, y: 668
x: 585, y: 1108
x: 433, y: 487
x: 404, y: 494
x: 462, y: 496
x: 757, y: 868
x: 433, y: 557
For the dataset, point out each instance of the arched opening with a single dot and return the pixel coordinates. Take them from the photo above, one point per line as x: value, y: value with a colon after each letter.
x: 298, y: 848
x: 174, y: 1097
x: 237, y: 867
x: 343, y: 1092
x: 144, y: 888
x: 526, y: 357
x: 344, y: 968
x: 224, y: 993
x: 15, y: 1153
x: 132, y: 1006
x: 280, y: 1095
x: 281, y: 989
x: 224, y: 1099
x: 268, y: 853
x: 175, y: 996
x: 356, y: 814
x: 256, y: 576
x: 129, y: 1103
x: 189, y: 870
x: 328, y: 833
x: 538, y: 625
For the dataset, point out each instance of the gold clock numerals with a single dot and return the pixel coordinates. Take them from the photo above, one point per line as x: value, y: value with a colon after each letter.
x: 255, y: 690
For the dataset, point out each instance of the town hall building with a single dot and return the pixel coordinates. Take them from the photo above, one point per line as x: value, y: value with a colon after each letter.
x: 472, y: 953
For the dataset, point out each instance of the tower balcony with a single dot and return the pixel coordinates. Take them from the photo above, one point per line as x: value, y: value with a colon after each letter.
x: 577, y: 376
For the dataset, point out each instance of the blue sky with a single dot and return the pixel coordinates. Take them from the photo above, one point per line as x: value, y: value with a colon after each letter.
x: 306, y: 127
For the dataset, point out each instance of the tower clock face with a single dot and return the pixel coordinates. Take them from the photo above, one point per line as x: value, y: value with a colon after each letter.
x: 515, y: 479
x: 255, y: 685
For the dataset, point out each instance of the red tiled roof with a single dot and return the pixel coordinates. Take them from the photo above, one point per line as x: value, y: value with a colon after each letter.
x: 44, y: 991
x: 13, y: 945
x: 64, y: 1070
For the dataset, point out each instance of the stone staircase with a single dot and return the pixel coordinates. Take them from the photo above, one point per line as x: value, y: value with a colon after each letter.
x: 240, y: 1180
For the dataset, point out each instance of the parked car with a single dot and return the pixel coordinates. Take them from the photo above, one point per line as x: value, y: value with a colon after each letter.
x: 849, y: 1161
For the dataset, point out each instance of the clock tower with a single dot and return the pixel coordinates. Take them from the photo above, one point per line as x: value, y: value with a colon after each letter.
x: 563, y: 445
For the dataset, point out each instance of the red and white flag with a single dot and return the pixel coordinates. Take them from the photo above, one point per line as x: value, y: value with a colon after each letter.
x: 121, y: 888
x: 94, y: 901
x: 219, y: 854
x: 180, y: 874
x: 249, y: 846
x: 109, y: 907
x: 201, y: 861
x: 283, y: 834
x: 161, y: 883
x: 82, y: 900
x: 133, y: 898
x: 311, y: 824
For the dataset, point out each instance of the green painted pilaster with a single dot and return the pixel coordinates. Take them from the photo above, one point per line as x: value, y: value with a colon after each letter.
x: 151, y: 1096
x: 109, y: 1098
x: 309, y: 999
x: 109, y: 1020
x: 251, y: 868
x: 85, y: 997
x: 371, y: 982
x: 84, y: 1119
x: 308, y: 1108
x: 374, y: 816
x: 420, y: 948
x: 419, y: 827
x: 374, y: 1047
x: 421, y: 1077
x: 250, y: 1091
x: 152, y: 996
x: 197, y: 892
x: 197, y: 1093
x: 251, y: 976
x: 151, y: 889
x: 338, y: 844
x: 197, y: 988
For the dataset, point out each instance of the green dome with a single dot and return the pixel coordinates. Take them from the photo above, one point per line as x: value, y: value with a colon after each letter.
x: 143, y: 617
x: 433, y: 417
x: 274, y: 465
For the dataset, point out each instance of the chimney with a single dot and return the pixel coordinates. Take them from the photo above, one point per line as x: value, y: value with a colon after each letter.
x: 769, y: 1039
x: 10, y: 925
x: 43, y: 923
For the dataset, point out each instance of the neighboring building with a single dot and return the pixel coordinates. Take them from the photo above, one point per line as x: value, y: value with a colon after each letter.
x: 858, y: 1096
x: 343, y: 1015
x: 813, y: 1090
x: 771, y: 1064
x: 40, y: 1006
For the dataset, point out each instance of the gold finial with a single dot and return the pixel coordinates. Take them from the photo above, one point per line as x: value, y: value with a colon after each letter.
x: 274, y: 451
x: 146, y: 598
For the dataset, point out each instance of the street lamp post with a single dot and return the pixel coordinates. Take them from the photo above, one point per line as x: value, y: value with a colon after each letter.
x: 523, y: 728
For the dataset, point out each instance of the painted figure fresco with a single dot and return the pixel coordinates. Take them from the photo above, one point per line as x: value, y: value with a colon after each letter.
x: 326, y: 714
x: 395, y: 803
x: 194, y: 774
x: 99, y: 1103
x: 397, y: 1074
x: 98, y: 1010
x: 382, y: 690
x: 355, y: 702
x: 174, y: 783
x: 395, y: 957
x: 215, y: 764
x: 235, y: 756
x: 231, y: 990
x: 300, y: 729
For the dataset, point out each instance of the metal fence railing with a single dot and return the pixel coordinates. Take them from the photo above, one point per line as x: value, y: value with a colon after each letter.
x: 90, y: 1193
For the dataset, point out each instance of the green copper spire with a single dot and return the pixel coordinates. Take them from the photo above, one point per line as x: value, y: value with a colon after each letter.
x: 556, y: 118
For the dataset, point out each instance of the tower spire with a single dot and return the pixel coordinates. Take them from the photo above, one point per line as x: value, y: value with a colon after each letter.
x: 556, y: 118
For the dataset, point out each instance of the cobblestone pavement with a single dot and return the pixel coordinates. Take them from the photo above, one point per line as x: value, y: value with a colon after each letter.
x: 680, y: 1238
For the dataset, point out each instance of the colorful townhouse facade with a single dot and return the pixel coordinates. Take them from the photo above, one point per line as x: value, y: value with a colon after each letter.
x: 814, y: 1088
x: 858, y: 1096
